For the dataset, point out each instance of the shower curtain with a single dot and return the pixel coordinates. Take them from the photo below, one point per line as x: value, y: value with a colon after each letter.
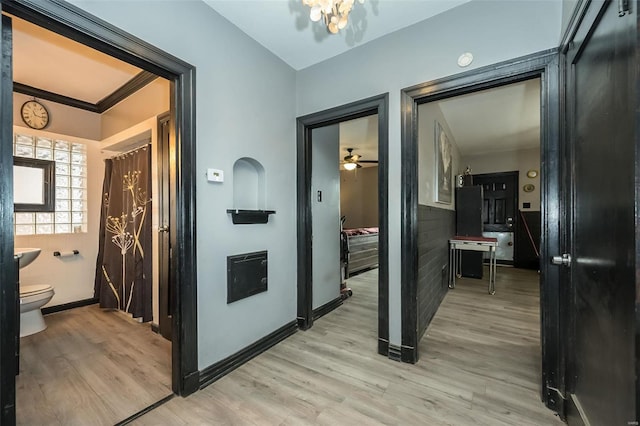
x: 123, y: 267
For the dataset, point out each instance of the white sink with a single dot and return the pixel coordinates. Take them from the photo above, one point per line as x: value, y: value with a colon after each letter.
x: 26, y: 255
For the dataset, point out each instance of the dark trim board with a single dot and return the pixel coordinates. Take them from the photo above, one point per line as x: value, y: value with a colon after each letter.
x: 9, y: 296
x: 544, y: 65
x: 129, y: 88
x: 71, y: 305
x: 74, y: 23
x: 305, y: 124
x: 123, y: 92
x: 326, y: 308
x: 54, y: 97
x: 227, y: 365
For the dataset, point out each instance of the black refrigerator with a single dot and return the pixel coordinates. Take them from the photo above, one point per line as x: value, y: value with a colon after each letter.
x: 469, y: 224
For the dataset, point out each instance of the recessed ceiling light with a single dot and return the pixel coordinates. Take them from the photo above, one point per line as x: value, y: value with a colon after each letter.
x: 465, y: 59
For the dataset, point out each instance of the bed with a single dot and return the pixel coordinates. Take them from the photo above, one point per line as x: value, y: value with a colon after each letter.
x: 360, y: 250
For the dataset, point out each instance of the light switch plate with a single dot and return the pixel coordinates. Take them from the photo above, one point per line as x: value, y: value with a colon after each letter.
x: 215, y: 175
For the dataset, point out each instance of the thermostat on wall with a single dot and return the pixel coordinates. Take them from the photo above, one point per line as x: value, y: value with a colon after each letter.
x: 215, y: 175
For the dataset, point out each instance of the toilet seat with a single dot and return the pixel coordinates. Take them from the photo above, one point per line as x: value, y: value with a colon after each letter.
x: 34, y: 290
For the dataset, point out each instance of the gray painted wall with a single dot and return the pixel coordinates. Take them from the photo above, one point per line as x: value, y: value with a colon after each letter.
x: 492, y: 31
x: 245, y: 108
x: 325, y: 214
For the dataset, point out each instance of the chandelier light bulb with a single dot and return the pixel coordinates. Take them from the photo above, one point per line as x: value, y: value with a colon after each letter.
x: 334, y: 13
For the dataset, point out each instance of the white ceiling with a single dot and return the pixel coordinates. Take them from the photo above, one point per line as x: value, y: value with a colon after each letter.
x: 505, y: 118
x: 360, y: 134
x: 48, y: 61
x: 284, y: 27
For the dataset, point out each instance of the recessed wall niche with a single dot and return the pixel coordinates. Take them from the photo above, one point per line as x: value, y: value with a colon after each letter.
x: 249, y: 192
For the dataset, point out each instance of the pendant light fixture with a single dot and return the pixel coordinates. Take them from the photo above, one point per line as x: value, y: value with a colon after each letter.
x: 334, y: 13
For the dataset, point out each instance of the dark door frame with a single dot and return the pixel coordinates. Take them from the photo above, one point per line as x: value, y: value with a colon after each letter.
x: 305, y: 124
x: 544, y: 65
x: 165, y: 290
x: 76, y: 24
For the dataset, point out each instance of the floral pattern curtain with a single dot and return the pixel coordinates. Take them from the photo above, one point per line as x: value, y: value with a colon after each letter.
x: 123, y: 267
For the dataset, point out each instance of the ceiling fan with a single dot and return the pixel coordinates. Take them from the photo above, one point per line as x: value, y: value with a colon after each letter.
x: 352, y: 161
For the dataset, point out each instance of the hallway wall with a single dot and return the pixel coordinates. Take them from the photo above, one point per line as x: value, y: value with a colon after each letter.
x: 493, y: 31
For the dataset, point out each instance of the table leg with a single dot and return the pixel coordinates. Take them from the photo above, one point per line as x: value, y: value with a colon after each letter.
x: 492, y: 270
x: 452, y: 267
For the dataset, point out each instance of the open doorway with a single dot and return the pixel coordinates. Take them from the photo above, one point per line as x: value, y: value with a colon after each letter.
x: 99, y: 246
x: 544, y: 66
x: 326, y: 127
x: 105, y: 38
x: 488, y: 190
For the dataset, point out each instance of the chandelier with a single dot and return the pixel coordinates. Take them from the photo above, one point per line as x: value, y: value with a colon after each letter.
x: 334, y: 13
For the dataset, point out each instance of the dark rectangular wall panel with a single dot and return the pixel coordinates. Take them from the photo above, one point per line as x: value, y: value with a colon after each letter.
x: 435, y: 228
x: 246, y: 275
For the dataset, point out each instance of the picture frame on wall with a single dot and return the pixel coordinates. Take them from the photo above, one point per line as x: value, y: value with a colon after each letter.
x: 443, y: 167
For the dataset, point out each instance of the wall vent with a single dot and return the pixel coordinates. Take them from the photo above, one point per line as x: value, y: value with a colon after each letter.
x: 246, y: 275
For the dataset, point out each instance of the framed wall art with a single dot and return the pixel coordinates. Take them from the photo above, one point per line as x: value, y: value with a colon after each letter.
x: 443, y: 167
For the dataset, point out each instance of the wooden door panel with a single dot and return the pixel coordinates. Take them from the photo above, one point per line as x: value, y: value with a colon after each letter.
x: 500, y: 211
x: 500, y: 200
x: 602, y: 103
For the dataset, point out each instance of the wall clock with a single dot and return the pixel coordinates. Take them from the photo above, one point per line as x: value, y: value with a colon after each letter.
x: 34, y: 115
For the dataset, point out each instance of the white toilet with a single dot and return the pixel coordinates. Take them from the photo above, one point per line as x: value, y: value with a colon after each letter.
x: 32, y: 298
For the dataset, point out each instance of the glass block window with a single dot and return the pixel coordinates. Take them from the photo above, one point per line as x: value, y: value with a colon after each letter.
x: 70, y: 215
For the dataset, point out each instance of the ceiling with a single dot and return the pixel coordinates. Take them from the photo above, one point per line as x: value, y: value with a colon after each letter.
x: 499, y: 119
x: 360, y: 134
x: 505, y: 118
x: 48, y: 61
x: 284, y: 27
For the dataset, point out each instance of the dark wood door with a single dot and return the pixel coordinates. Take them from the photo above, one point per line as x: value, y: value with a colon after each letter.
x: 165, y: 290
x: 602, y: 107
x: 500, y: 200
x: 9, y: 292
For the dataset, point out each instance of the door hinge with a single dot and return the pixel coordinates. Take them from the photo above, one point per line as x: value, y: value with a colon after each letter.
x: 623, y: 7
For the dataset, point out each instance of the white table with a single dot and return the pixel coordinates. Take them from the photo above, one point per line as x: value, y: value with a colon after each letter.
x: 458, y: 244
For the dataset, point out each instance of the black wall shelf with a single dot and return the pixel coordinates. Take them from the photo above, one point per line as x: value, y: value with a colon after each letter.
x: 245, y: 217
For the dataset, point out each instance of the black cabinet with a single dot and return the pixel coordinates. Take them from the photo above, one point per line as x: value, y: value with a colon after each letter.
x: 469, y: 224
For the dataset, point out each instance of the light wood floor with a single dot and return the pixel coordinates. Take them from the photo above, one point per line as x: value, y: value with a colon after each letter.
x: 479, y: 366
x: 90, y: 367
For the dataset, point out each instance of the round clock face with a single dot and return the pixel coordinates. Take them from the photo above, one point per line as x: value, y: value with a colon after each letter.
x: 34, y: 115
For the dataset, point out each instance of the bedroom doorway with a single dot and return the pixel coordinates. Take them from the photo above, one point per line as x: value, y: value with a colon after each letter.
x: 325, y: 144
